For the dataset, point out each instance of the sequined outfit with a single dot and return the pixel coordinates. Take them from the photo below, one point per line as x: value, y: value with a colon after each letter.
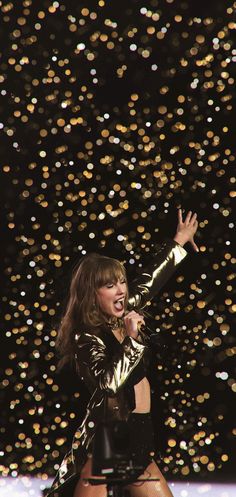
x: 110, y: 368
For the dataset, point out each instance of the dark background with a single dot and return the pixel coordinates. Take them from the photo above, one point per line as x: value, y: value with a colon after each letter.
x: 113, y: 115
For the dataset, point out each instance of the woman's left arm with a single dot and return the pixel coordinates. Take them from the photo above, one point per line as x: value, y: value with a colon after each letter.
x: 164, y: 263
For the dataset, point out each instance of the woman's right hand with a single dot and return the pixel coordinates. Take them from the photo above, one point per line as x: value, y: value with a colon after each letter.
x: 133, y: 321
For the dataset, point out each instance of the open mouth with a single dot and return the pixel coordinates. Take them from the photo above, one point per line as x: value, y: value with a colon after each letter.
x: 119, y: 304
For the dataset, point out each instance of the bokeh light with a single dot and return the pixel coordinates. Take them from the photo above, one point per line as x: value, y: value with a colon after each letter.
x: 113, y: 117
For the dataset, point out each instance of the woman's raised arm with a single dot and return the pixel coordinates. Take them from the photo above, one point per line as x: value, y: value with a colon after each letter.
x: 164, y: 262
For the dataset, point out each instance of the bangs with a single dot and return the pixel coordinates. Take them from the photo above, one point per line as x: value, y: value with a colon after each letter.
x: 109, y: 271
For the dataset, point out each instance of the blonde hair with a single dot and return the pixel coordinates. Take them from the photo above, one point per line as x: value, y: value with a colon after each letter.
x: 82, y: 310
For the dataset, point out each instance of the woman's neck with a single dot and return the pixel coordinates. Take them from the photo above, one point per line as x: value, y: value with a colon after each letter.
x: 119, y: 334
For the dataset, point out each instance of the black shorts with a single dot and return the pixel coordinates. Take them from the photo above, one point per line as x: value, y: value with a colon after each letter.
x: 141, y: 440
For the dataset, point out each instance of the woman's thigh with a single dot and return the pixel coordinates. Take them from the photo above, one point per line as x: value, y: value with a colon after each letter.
x: 85, y: 489
x: 157, y: 488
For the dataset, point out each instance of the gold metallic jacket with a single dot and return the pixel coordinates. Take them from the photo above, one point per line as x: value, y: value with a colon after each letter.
x: 107, y: 366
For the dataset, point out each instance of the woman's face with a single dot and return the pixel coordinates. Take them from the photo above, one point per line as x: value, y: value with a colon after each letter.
x: 111, y: 298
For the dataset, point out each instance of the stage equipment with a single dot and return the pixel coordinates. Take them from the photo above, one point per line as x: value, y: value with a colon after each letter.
x: 112, y: 459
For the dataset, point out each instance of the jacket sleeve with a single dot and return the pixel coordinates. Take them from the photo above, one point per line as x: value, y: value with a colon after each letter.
x: 107, y: 373
x: 154, y: 276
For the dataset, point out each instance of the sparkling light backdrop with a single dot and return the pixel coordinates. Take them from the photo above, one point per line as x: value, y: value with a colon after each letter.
x: 114, y: 114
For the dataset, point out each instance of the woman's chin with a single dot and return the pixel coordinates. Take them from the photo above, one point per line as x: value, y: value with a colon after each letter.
x: 118, y: 314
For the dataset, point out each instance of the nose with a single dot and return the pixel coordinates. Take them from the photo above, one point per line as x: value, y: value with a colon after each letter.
x: 120, y: 287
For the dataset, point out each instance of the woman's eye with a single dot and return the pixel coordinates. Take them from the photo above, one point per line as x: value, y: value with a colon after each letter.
x: 109, y: 285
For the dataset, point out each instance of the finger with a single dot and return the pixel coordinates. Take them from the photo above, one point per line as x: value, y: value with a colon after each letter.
x: 180, y: 216
x: 131, y: 313
x: 193, y: 218
x: 133, y: 317
x: 139, y: 326
x: 136, y: 319
x: 134, y: 313
x: 193, y: 227
x: 188, y: 217
x: 141, y: 322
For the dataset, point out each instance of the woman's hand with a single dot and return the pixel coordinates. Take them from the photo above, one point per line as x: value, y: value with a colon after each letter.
x: 186, y: 229
x: 133, y: 322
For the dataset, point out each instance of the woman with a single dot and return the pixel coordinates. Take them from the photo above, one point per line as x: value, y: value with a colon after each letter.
x: 101, y: 332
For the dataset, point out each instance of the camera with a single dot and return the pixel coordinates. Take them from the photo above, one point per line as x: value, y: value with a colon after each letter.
x: 112, y: 455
